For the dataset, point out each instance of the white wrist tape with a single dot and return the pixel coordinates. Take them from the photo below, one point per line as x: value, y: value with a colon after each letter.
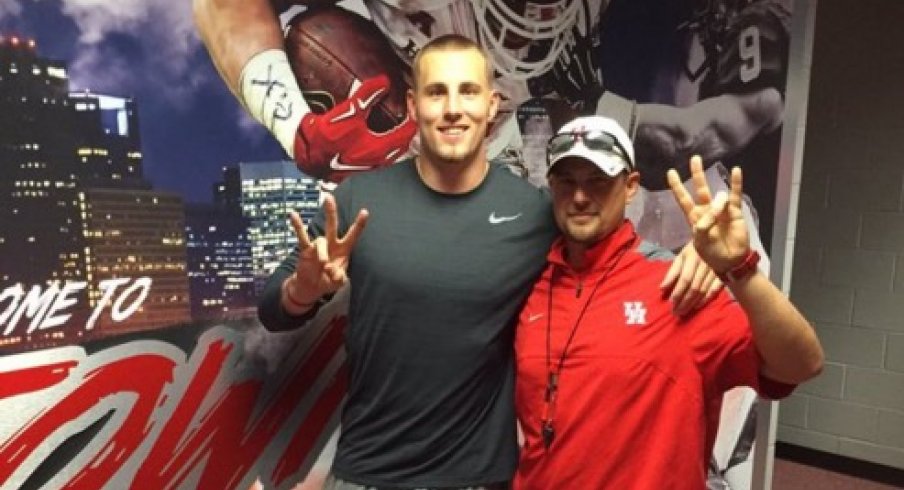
x: 272, y: 97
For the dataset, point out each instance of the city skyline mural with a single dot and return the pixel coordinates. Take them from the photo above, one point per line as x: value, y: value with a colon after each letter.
x: 116, y: 244
x: 140, y: 212
x: 191, y: 126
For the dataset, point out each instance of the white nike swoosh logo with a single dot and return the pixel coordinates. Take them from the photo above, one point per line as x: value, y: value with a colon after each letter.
x: 495, y: 220
x: 345, y: 115
x: 363, y: 104
x: 534, y: 317
x: 335, y: 164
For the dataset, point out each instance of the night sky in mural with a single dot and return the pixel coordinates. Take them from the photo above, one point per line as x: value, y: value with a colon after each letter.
x: 191, y: 125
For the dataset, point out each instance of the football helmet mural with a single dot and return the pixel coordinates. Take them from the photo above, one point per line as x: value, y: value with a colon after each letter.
x: 525, y: 37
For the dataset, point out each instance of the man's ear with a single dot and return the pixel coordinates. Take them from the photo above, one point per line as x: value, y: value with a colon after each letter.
x: 632, y: 186
x: 495, y: 99
x: 410, y: 102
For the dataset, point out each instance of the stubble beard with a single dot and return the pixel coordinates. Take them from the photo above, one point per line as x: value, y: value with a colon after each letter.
x: 451, y: 155
x: 586, y: 234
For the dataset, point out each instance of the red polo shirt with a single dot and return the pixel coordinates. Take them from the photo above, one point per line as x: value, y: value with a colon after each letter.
x: 640, y: 389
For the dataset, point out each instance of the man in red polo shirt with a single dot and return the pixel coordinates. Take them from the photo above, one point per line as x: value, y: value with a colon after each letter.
x: 613, y: 389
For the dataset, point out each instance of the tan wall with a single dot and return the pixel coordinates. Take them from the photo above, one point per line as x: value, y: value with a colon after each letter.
x: 848, y: 269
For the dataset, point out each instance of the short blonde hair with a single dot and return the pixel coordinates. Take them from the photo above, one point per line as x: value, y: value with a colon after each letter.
x: 451, y: 42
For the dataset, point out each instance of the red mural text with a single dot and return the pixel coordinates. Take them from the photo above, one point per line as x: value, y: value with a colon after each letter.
x: 205, y: 422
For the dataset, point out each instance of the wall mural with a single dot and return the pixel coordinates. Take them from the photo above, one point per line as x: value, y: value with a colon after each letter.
x: 141, y: 210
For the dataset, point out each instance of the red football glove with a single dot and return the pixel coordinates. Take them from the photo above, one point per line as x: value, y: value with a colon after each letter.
x: 338, y: 142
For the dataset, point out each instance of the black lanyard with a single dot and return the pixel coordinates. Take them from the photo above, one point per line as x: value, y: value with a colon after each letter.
x: 547, y: 430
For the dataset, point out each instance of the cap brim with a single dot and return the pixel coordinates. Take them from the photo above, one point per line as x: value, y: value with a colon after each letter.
x: 610, y: 163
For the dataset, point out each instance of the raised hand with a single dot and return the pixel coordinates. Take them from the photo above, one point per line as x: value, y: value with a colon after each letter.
x: 338, y: 142
x: 322, y: 262
x: 719, y: 232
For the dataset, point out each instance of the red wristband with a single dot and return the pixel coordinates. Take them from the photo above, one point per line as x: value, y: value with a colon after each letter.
x: 295, y: 302
x: 742, y: 270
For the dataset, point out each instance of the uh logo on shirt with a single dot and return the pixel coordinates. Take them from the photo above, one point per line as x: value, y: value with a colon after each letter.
x: 635, y: 313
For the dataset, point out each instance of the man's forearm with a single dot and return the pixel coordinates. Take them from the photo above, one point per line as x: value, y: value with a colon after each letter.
x: 297, y: 300
x: 271, y: 308
x: 789, y: 347
x: 714, y: 128
x: 235, y: 30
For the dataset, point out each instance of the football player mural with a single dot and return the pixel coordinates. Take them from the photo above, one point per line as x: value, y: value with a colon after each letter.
x: 240, y: 407
x: 556, y: 54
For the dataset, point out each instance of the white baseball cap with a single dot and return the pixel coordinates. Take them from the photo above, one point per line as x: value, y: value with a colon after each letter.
x: 597, y: 139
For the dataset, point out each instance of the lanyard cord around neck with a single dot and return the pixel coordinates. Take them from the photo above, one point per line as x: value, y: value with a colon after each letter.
x: 552, y: 376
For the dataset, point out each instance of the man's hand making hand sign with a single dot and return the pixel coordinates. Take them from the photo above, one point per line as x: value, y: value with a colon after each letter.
x: 719, y: 230
x: 786, y: 342
x: 322, y: 262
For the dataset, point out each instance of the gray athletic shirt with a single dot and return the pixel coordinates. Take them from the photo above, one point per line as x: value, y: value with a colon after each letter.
x: 437, y: 281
